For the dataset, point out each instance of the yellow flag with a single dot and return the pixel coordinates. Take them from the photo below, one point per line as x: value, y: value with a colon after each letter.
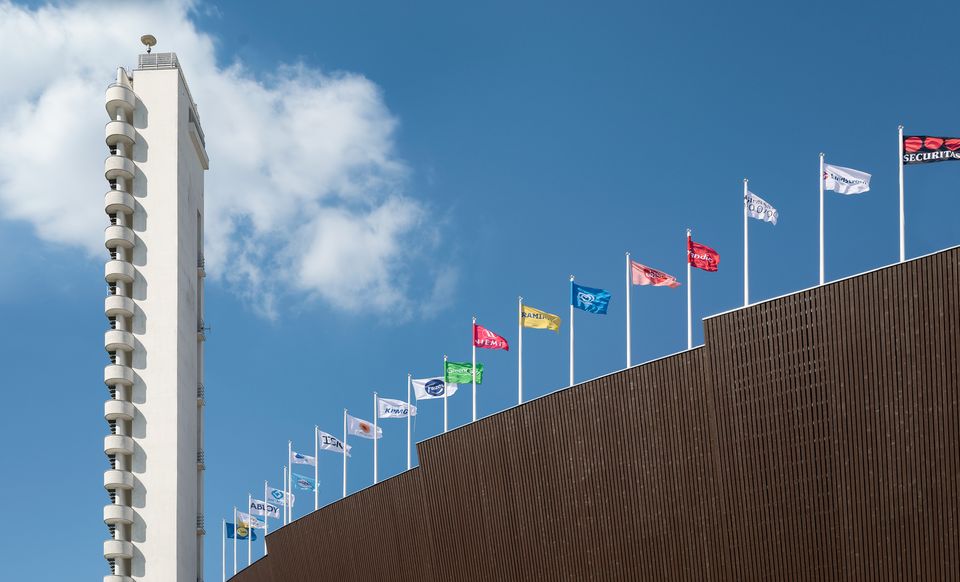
x: 537, y: 319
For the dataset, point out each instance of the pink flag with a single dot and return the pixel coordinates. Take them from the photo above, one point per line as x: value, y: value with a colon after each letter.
x: 644, y: 275
x: 484, y: 338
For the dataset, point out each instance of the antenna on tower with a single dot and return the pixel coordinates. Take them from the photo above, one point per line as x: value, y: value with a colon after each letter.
x: 148, y: 41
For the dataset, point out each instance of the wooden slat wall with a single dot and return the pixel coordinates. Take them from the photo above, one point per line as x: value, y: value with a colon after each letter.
x: 814, y: 437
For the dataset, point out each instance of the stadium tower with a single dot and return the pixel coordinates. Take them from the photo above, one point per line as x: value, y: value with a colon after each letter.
x: 155, y: 338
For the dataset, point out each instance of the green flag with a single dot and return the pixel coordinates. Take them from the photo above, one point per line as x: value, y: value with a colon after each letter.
x: 461, y: 373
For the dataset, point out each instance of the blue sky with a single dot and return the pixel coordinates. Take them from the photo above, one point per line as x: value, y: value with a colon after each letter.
x: 517, y: 144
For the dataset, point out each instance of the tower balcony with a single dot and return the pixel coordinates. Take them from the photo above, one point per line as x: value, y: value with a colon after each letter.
x: 118, y: 410
x: 115, y: 340
x: 118, y: 236
x: 119, y: 97
x: 118, y: 202
x: 114, y: 374
x: 117, y: 306
x: 114, y: 271
x: 115, y: 444
x: 117, y: 514
x: 114, y: 479
x: 119, y: 132
x: 117, y: 550
x: 118, y: 167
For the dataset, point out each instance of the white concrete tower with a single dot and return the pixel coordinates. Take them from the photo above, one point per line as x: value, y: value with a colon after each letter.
x: 155, y: 341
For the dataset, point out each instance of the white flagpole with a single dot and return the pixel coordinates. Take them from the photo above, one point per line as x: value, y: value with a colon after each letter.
x: 821, y: 220
x: 284, y: 486
x: 571, y: 330
x: 408, y: 421
x: 473, y: 372
x: 316, y: 468
x: 235, y: 529
x: 223, y: 548
x: 444, y: 392
x: 903, y: 253
x: 249, y: 529
x: 375, y: 439
x: 689, y: 298
x: 286, y: 482
x: 344, y: 494
x: 746, y: 249
x: 266, y: 518
x: 519, y: 350
x: 628, y: 309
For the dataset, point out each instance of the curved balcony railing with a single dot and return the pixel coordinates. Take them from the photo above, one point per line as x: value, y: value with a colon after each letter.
x: 118, y: 236
x: 117, y: 549
x: 116, y: 340
x: 114, y: 374
x: 115, y: 444
x: 118, y: 202
x: 119, y: 97
x: 118, y: 410
x: 118, y: 167
x: 117, y: 479
x: 114, y: 271
x: 119, y: 132
x: 114, y: 514
x: 117, y: 306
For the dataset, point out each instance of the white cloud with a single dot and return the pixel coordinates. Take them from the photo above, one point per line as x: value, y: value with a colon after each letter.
x: 304, y: 177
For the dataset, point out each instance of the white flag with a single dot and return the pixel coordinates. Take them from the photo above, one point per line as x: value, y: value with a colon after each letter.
x: 258, y: 507
x: 432, y: 388
x: 362, y: 428
x: 278, y: 495
x: 845, y: 180
x: 389, y: 408
x: 757, y: 207
x: 328, y: 442
x: 249, y: 520
x: 301, y: 459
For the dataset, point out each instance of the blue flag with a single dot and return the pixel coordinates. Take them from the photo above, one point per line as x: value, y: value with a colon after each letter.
x: 302, y: 482
x: 241, y: 534
x: 589, y: 299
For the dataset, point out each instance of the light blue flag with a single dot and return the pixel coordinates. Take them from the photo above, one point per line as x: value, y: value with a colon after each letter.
x: 241, y: 533
x: 589, y: 299
x: 303, y: 482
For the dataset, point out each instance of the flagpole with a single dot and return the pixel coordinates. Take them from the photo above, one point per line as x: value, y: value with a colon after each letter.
x: 316, y: 468
x: 235, y: 530
x: 628, y: 309
x: 344, y: 494
x: 266, y: 518
x: 408, y: 421
x: 249, y: 529
x: 286, y: 482
x: 284, y: 485
x: 444, y: 392
x: 571, y: 330
x: 821, y: 220
x: 223, y: 547
x: 375, y: 439
x: 903, y: 254
x: 746, y: 249
x: 519, y: 350
x: 473, y: 373
x: 689, y: 298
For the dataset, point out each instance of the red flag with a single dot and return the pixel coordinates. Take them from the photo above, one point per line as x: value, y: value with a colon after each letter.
x: 702, y: 256
x: 644, y: 275
x: 484, y: 338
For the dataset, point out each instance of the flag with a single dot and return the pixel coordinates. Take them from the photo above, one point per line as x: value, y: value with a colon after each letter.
x: 845, y: 180
x: 589, y: 299
x: 925, y: 149
x: 389, y: 408
x: 461, y: 373
x: 301, y: 459
x: 362, y: 428
x: 644, y: 275
x: 433, y: 388
x: 484, y: 338
x: 241, y: 532
x: 702, y: 256
x: 266, y: 509
x: 537, y: 319
x: 758, y: 208
x: 328, y: 442
x: 245, y: 519
x: 303, y: 482
x: 280, y: 497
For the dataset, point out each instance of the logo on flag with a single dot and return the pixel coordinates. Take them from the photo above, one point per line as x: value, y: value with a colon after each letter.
x: 245, y: 519
x: 758, y: 208
x: 484, y: 338
x: 702, y: 256
x: 845, y: 180
x: 242, y: 531
x: 328, y: 442
x: 266, y: 509
x: 925, y: 149
x: 389, y: 408
x: 589, y: 299
x: 461, y: 373
x: 279, y: 495
x: 301, y: 459
x: 433, y: 388
x: 644, y: 275
x: 530, y: 317
x: 303, y: 482
x: 362, y: 428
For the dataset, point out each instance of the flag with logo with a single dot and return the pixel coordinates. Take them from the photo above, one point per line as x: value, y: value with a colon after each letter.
x: 266, y: 509
x: 484, y: 338
x: 328, y: 442
x: 845, y: 180
x: 245, y: 519
x: 426, y: 388
x: 301, y: 459
x: 644, y: 275
x: 926, y: 149
x: 280, y: 497
x: 758, y: 208
x: 461, y: 372
x: 362, y: 428
x: 303, y: 482
x: 589, y: 299
x: 242, y: 532
x: 702, y: 256
x: 390, y: 408
x: 536, y: 319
